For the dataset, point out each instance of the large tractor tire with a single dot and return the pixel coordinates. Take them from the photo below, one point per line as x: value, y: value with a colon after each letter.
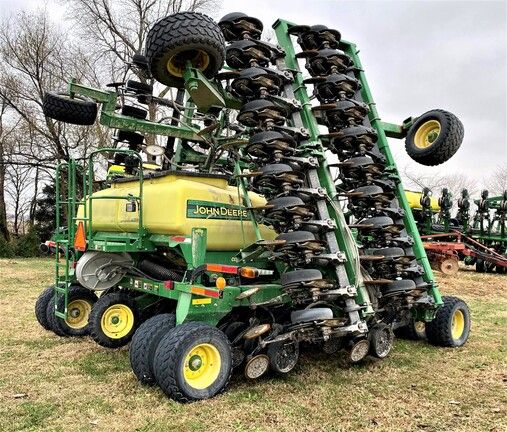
x: 192, y: 362
x: 114, y: 319
x: 144, y: 344
x: 180, y: 38
x: 50, y: 313
x: 41, y: 306
x: 434, y: 137
x: 80, y: 302
x: 77, y: 110
x: 451, y: 325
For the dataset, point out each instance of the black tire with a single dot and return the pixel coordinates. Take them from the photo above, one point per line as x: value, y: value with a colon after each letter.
x: 115, y: 332
x: 51, y: 317
x: 41, y: 306
x: 80, y: 302
x: 440, y: 331
x: 139, y: 87
x: 144, y: 344
x: 132, y: 111
x: 429, y: 151
x: 171, y: 354
x: 479, y: 266
x: 490, y: 267
x: 79, y: 111
x: 133, y: 138
x: 185, y: 36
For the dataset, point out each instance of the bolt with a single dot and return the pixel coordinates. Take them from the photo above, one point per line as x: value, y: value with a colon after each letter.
x: 193, y: 85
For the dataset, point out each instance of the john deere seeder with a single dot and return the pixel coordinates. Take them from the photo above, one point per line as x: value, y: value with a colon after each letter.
x: 257, y: 211
x: 479, y: 241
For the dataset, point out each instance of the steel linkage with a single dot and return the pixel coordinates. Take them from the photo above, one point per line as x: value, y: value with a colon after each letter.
x: 285, y: 170
x: 365, y: 178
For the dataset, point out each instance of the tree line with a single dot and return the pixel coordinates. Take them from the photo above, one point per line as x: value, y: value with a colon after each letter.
x: 39, y: 55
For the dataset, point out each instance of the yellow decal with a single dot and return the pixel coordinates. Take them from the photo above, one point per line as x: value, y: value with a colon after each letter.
x: 201, y: 301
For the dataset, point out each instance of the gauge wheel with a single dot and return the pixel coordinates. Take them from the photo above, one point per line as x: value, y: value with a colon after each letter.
x: 283, y: 356
x: 181, y: 39
x: 434, y: 137
x: 451, y: 325
x: 449, y: 266
x: 381, y: 341
x: 80, y: 302
x: 76, y: 110
x: 193, y: 361
x: 114, y: 319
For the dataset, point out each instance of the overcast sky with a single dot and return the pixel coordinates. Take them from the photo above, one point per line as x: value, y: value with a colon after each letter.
x: 418, y: 55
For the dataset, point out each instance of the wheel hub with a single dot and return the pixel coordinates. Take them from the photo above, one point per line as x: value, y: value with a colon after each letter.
x: 427, y: 134
x: 458, y: 324
x: 78, y: 313
x: 117, y: 321
x: 202, y: 366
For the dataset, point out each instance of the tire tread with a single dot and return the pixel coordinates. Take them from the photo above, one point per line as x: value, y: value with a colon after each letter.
x: 450, y: 141
x: 437, y: 331
x: 144, y: 344
x: 166, y: 358
x: 76, y: 111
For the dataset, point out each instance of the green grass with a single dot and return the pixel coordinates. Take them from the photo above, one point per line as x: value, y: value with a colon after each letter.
x: 74, y: 384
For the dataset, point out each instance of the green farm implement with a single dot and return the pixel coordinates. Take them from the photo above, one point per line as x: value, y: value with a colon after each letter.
x: 480, y: 240
x: 256, y: 212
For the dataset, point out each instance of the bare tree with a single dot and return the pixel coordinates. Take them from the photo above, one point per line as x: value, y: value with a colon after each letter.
x: 36, y: 57
x: 4, y: 133
x: 497, y: 182
x: 115, y: 30
x: 19, y: 185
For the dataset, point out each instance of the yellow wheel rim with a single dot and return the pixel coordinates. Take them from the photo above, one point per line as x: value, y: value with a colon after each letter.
x: 202, y: 366
x: 458, y: 324
x: 117, y: 321
x: 420, y: 326
x: 427, y: 134
x: 78, y: 312
x: 178, y: 62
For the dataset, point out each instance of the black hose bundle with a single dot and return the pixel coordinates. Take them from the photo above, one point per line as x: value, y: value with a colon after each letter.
x: 158, y: 271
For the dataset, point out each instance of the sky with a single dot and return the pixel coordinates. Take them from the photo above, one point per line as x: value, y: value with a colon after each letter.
x: 417, y: 55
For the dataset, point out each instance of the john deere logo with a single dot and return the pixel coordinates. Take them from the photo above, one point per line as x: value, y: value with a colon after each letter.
x: 211, y: 210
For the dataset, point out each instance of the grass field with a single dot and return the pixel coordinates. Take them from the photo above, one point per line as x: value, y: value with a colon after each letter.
x: 56, y: 384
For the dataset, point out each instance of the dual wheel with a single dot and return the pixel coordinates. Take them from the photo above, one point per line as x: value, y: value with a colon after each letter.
x: 194, y: 360
x: 79, y: 305
x: 110, y: 320
x: 189, y: 362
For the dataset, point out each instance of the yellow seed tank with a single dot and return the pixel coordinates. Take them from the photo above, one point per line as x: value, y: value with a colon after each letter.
x: 176, y: 202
